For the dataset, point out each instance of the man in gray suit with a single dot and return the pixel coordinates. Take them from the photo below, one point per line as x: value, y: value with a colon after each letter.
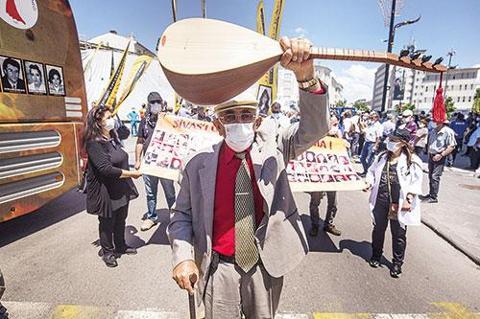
x: 235, y: 230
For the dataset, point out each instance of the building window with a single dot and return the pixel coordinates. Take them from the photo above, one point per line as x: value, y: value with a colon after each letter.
x: 458, y: 99
x: 460, y: 87
x: 426, y: 88
x: 471, y: 86
x: 469, y: 99
x: 463, y: 100
x: 465, y: 86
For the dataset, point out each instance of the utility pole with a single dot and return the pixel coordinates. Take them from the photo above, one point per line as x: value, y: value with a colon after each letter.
x: 391, y: 35
x: 204, y: 9
x: 450, y: 54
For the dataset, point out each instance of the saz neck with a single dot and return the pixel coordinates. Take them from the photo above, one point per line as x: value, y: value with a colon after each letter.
x: 374, y: 56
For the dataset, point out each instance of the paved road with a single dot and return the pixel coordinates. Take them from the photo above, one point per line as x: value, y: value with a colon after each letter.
x: 52, y: 270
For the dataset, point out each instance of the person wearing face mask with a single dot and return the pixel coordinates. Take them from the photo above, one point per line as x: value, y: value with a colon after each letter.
x: 278, y: 117
x: 421, y: 137
x: 109, y: 183
x: 316, y: 197
x: 395, y: 181
x: 408, y: 122
x: 441, y: 142
x: 235, y: 230
x: 146, y: 128
x: 373, y: 136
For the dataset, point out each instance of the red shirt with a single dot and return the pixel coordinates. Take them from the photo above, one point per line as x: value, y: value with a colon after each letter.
x: 224, y: 209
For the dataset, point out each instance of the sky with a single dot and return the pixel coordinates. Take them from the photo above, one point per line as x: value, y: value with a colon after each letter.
x: 356, y: 24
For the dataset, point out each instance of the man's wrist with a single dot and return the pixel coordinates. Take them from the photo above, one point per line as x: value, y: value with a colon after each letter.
x: 305, y: 75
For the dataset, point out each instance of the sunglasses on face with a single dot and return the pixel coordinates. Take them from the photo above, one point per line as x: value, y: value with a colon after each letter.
x: 244, y: 117
x: 156, y: 102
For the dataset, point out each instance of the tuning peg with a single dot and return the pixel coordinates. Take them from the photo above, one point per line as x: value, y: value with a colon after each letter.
x: 426, y: 58
x: 415, y: 55
x: 404, y: 53
x: 438, y: 61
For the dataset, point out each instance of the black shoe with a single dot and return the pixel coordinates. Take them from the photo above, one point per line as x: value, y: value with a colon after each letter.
x: 432, y: 200
x: 374, y: 262
x: 110, y: 260
x: 424, y: 197
x: 396, y: 271
x: 126, y: 251
x: 314, y: 231
x: 332, y: 230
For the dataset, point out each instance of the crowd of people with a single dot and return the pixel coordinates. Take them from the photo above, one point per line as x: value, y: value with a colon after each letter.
x: 234, y: 236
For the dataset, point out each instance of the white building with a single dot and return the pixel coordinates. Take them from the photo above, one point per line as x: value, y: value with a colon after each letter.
x: 410, y: 82
x: 460, y: 84
x: 287, y: 93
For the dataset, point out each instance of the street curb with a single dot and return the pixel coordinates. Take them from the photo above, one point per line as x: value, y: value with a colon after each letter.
x: 451, y: 241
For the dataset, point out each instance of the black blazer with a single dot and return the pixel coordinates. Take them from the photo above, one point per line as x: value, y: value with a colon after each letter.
x: 106, y: 191
x: 6, y: 84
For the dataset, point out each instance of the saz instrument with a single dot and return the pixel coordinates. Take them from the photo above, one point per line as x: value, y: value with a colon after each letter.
x: 210, y: 61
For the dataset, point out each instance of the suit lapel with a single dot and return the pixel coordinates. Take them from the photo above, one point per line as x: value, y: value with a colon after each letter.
x: 208, y: 176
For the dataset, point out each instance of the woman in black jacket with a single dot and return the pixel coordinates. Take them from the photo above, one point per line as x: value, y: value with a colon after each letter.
x: 109, y: 184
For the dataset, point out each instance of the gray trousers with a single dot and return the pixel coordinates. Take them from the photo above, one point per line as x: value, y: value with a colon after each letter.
x: 435, y: 171
x: 315, y: 200
x: 230, y: 292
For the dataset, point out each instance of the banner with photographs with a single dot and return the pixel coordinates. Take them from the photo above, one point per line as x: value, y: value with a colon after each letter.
x: 324, y: 167
x: 175, y: 139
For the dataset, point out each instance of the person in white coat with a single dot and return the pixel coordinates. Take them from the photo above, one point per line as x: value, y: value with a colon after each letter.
x: 395, y: 180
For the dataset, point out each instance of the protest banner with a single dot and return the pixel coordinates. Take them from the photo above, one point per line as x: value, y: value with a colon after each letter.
x: 324, y: 167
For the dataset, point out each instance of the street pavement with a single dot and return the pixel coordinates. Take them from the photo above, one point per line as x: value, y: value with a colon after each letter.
x: 50, y: 263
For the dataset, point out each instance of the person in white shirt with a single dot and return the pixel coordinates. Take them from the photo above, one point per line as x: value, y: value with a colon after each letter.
x: 373, y: 135
x: 388, y: 125
x: 280, y: 119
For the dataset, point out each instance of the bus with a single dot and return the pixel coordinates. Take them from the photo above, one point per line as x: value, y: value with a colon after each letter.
x: 42, y: 104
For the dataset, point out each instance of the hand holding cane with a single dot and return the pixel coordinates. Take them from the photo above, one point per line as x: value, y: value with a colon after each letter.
x: 191, y: 298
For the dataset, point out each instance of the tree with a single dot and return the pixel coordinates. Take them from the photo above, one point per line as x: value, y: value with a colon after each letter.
x: 449, y: 106
x: 361, y: 105
x: 341, y: 103
x: 476, y: 102
x: 407, y: 106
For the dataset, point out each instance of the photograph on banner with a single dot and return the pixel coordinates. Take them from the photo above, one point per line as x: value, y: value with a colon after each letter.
x: 174, y: 140
x: 13, y: 79
x: 264, y: 98
x: 325, y: 166
x: 399, y: 84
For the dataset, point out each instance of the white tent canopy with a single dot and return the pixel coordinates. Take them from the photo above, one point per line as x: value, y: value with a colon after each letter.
x: 97, y: 67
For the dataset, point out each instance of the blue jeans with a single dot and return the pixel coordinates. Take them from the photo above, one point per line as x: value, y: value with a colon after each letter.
x: 134, y: 129
x: 367, y: 155
x: 151, y: 188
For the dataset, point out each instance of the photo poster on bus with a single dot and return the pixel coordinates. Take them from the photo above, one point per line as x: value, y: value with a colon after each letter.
x: 324, y: 167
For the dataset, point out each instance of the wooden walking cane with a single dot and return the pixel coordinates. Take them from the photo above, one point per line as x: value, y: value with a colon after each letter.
x: 210, y: 61
x: 191, y: 299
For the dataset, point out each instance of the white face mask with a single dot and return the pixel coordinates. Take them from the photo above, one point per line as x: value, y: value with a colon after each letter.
x: 434, y: 125
x: 239, y: 136
x: 109, y: 124
x: 392, y: 146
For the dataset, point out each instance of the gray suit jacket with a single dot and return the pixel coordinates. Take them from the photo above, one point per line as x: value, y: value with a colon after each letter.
x: 280, y: 236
